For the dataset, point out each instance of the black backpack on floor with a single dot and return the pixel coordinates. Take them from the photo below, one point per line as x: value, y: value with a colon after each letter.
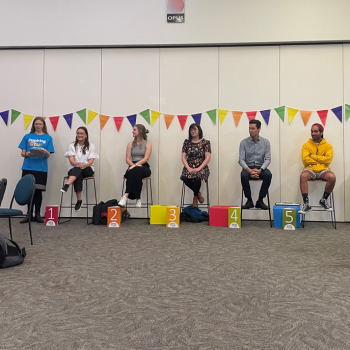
x: 99, y: 216
x: 10, y: 255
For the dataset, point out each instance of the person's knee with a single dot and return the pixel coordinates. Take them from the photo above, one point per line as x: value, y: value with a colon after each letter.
x: 266, y: 174
x: 304, y: 177
x: 244, y: 175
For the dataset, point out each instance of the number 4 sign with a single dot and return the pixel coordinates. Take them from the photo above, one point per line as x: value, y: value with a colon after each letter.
x: 51, y: 215
x: 234, y: 217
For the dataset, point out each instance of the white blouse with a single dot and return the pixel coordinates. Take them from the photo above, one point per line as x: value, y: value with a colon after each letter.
x: 79, y: 156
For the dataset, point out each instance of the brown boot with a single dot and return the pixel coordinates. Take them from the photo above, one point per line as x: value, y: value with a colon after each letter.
x: 195, y: 202
x: 200, y: 198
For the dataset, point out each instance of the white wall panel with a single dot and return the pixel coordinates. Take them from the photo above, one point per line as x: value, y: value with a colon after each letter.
x: 21, y: 88
x: 130, y: 84
x: 188, y: 85
x: 311, y: 79
x: 249, y: 81
x: 72, y: 81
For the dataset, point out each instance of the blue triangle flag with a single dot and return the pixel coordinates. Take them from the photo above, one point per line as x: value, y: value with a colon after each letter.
x: 338, y: 111
x: 266, y: 115
x: 132, y: 119
x: 68, y: 118
x: 197, y: 118
x: 5, y: 116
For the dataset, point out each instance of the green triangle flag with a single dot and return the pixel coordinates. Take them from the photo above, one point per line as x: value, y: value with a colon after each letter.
x: 347, y: 112
x: 82, y: 115
x: 14, y: 115
x: 146, y: 115
x: 212, y: 115
x: 280, y: 112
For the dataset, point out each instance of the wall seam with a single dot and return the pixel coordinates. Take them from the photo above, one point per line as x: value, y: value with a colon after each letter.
x: 42, y: 104
x: 343, y: 74
x: 218, y: 129
x: 99, y: 163
x: 279, y: 119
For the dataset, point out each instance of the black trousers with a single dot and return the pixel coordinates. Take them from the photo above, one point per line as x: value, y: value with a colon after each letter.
x: 265, y: 175
x: 80, y: 174
x: 37, y: 200
x: 134, y: 180
x: 193, y: 184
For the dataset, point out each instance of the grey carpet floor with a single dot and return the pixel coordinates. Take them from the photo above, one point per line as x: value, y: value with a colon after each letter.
x: 196, y: 287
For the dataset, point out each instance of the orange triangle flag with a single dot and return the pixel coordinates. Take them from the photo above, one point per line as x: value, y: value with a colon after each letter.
x: 306, y: 116
x: 168, y: 119
x: 103, y: 120
x: 237, y: 117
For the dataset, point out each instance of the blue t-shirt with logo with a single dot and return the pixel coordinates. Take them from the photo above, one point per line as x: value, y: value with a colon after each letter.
x: 33, y: 140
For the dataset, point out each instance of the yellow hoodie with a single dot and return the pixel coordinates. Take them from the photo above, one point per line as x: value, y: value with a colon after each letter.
x: 317, y: 156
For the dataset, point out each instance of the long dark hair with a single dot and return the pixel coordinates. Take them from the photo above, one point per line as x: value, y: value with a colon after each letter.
x: 86, y: 143
x: 32, y: 130
x: 200, y: 131
x: 143, y: 131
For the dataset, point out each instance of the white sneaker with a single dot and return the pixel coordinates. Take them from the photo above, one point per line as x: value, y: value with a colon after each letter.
x: 305, y: 208
x: 138, y: 203
x: 122, y: 202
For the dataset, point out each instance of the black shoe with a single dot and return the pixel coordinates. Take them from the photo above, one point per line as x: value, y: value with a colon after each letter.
x: 78, y: 205
x: 38, y: 218
x: 261, y: 205
x: 64, y: 189
x: 248, y: 205
x: 26, y: 219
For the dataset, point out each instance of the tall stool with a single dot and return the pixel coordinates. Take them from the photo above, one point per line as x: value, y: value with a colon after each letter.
x: 143, y: 205
x: 319, y: 208
x: 268, y: 203
x: 71, y: 206
x: 200, y: 205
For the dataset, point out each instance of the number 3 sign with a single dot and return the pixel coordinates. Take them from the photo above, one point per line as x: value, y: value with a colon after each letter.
x: 172, y: 217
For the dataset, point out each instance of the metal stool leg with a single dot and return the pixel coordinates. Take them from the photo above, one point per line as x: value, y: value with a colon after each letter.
x: 242, y: 209
x: 87, y: 203
x: 268, y: 202
x: 148, y: 218
x: 59, y: 214
x: 334, y: 221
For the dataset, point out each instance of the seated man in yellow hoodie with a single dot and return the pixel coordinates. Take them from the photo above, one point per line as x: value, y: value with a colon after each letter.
x: 316, y: 155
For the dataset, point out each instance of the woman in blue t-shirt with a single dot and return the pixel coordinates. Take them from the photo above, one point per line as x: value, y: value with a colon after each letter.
x: 36, y: 147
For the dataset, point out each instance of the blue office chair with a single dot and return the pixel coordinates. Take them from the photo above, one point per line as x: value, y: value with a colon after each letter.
x: 3, y: 183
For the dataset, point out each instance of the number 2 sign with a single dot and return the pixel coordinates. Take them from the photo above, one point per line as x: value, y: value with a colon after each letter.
x: 113, y: 217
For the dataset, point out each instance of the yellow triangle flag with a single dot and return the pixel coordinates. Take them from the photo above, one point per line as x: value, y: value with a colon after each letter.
x: 222, y: 115
x: 306, y: 116
x: 91, y: 116
x: 103, y: 120
x: 168, y: 119
x: 27, y: 119
x: 237, y: 117
x: 291, y: 113
x: 154, y: 116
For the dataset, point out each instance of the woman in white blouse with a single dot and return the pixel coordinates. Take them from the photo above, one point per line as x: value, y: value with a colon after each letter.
x: 81, y: 155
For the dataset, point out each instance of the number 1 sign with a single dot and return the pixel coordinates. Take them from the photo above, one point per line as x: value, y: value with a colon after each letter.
x: 51, y: 215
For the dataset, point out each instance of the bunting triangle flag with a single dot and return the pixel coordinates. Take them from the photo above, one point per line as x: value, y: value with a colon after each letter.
x: 103, y: 120
x: 168, y: 119
x: 182, y: 120
x: 5, y: 116
x: 27, y: 119
x: 44, y: 118
x: 222, y: 115
x: 82, y: 115
x: 280, y: 112
x: 306, y: 116
x: 212, y: 115
x: 14, y: 115
x: 146, y: 115
x: 197, y: 118
x: 118, y: 122
x: 338, y: 111
x: 347, y: 112
x: 68, y: 118
x: 266, y: 115
x: 251, y: 115
x: 154, y: 116
x: 323, y: 116
x: 291, y: 113
x: 91, y: 116
x: 54, y: 122
x: 132, y: 119
x: 237, y: 117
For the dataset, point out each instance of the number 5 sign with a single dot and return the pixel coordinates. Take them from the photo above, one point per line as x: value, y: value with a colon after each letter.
x: 113, y: 217
x: 289, y: 218
x: 172, y: 217
x: 234, y: 217
x: 51, y: 215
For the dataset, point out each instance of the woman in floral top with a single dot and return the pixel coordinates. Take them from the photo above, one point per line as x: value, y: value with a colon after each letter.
x: 196, y: 152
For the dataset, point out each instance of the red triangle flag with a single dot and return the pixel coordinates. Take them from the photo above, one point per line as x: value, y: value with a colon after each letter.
x: 54, y: 122
x: 323, y: 116
x: 118, y: 122
x: 182, y: 120
x: 251, y: 115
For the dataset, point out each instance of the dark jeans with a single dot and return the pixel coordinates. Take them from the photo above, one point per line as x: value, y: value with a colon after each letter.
x: 193, y: 184
x: 134, y: 180
x: 80, y: 174
x: 265, y: 175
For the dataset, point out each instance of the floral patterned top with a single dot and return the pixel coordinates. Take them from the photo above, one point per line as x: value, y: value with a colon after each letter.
x: 195, y: 157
